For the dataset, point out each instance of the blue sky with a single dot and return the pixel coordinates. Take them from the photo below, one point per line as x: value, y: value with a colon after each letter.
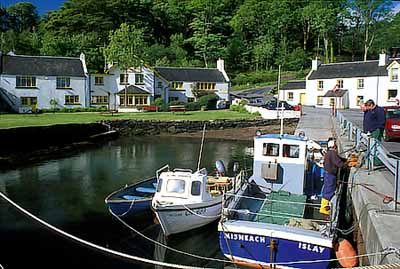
x: 43, y: 6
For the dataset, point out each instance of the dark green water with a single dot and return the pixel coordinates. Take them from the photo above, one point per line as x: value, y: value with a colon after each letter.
x: 69, y: 193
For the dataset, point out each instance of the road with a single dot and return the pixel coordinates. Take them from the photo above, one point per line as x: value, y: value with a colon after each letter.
x: 356, y: 117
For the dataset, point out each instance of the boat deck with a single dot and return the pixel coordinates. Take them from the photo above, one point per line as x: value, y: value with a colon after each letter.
x: 280, y: 207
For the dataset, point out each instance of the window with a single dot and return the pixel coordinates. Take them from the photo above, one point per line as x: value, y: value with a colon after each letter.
x: 98, y: 80
x: 123, y: 79
x: 360, y: 83
x: 320, y: 85
x: 129, y: 99
x: 63, y: 83
x: 159, y: 184
x: 71, y: 99
x: 205, y: 86
x: 271, y: 149
x: 28, y: 101
x: 319, y: 100
x: 26, y: 82
x: 291, y: 151
x: 139, y: 79
x: 392, y: 94
x: 196, y: 188
x: 360, y: 100
x: 190, y: 99
x: 159, y: 84
x: 393, y: 113
x: 177, y: 86
x: 171, y: 99
x: 339, y: 83
x: 394, y: 75
x: 176, y: 186
x: 99, y: 100
x: 290, y: 96
x: 141, y: 100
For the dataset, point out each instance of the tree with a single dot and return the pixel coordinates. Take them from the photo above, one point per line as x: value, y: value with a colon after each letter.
x: 371, y: 13
x: 126, y: 48
x: 23, y: 16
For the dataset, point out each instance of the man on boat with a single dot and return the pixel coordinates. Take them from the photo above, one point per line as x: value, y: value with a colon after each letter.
x: 332, y: 161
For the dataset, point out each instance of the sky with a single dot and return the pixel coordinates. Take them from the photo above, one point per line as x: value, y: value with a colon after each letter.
x: 43, y: 6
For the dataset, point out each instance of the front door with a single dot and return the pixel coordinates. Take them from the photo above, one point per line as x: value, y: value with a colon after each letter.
x: 302, y: 98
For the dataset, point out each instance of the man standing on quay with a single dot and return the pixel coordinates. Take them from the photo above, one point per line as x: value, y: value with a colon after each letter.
x: 374, y: 120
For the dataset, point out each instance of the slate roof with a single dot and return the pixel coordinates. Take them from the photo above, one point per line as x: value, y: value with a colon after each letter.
x: 295, y: 85
x: 338, y: 93
x: 41, y: 66
x: 349, y: 70
x: 191, y: 74
x: 252, y: 93
x: 132, y: 89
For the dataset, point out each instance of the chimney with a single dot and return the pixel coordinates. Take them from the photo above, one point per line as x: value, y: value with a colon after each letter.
x: 382, y: 59
x: 83, y: 61
x: 315, y: 64
x: 221, y: 68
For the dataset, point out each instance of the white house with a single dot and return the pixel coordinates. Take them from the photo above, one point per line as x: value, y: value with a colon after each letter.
x: 349, y: 84
x: 30, y: 82
x: 294, y: 92
x: 140, y: 86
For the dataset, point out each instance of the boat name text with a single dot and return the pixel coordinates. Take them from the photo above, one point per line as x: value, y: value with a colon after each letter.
x: 310, y: 247
x: 246, y: 237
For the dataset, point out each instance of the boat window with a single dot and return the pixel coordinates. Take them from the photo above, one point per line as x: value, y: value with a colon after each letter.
x: 159, y: 185
x: 291, y: 151
x: 271, y: 149
x: 196, y: 188
x: 176, y: 186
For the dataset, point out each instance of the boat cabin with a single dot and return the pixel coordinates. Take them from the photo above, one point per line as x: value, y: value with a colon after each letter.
x: 280, y: 162
x: 181, y: 186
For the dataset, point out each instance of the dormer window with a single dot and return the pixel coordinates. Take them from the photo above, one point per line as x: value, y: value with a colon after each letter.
x: 394, y: 74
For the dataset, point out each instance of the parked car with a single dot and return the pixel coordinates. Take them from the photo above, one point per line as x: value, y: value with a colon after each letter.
x: 272, y: 105
x: 392, y: 124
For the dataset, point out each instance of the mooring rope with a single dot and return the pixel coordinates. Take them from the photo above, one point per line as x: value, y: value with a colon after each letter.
x: 201, y: 216
x: 92, y: 245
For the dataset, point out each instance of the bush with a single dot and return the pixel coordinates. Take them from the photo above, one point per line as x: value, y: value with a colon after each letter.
x: 176, y: 103
x: 234, y: 108
x: 242, y: 109
x: 256, y: 114
x: 75, y: 109
x: 209, y: 101
x: 192, y: 106
x: 159, y: 102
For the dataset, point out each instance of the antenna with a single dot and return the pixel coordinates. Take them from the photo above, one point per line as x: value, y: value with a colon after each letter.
x: 201, y: 147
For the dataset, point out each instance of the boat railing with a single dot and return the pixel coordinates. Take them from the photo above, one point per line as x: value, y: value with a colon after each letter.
x: 158, y: 172
x: 183, y: 170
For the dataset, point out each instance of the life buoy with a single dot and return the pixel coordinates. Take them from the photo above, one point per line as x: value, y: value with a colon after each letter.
x: 397, y: 102
x: 345, y: 251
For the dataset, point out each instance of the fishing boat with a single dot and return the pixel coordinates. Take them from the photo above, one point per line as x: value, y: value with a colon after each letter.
x: 186, y: 200
x: 270, y: 222
x: 132, y: 199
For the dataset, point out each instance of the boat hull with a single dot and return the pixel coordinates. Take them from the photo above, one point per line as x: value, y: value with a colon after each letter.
x: 178, y: 218
x: 252, y: 249
x: 129, y: 208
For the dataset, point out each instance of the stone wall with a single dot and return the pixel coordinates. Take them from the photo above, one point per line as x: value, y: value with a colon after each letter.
x: 154, y: 127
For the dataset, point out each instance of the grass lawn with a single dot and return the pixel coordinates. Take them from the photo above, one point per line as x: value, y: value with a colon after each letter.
x: 21, y: 120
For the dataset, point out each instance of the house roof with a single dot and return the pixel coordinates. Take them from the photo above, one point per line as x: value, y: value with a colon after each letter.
x: 295, y: 85
x: 41, y: 66
x: 252, y: 93
x: 191, y: 74
x: 337, y: 93
x: 348, y: 70
x: 132, y: 89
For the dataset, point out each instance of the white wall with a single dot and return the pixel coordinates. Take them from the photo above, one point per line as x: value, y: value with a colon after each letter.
x: 273, y: 114
x: 296, y: 96
x: 46, y: 89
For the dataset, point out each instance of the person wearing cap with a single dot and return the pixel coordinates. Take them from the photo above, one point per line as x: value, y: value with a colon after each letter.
x: 332, y: 162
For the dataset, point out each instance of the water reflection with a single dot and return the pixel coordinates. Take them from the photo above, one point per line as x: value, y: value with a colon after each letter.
x: 69, y: 193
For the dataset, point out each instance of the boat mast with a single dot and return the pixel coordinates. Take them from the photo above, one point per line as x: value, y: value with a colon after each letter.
x: 201, y: 147
x: 283, y: 97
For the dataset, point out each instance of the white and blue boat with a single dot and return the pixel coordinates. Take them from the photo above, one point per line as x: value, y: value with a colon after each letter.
x: 132, y: 199
x: 270, y: 222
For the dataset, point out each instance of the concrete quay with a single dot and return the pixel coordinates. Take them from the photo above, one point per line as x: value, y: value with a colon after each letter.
x: 376, y: 220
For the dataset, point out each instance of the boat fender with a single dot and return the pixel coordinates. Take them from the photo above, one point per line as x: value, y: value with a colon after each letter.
x: 345, y: 251
x: 219, y: 165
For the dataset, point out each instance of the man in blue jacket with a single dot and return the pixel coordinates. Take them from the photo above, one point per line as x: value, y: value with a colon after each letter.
x: 374, y: 120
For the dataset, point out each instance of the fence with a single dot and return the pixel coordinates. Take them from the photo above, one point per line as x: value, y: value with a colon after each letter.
x: 375, y: 148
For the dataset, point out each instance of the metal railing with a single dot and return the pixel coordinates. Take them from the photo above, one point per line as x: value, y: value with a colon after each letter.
x: 375, y: 149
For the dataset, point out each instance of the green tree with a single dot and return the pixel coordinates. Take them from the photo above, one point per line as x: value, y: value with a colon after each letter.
x: 126, y: 48
x: 23, y: 16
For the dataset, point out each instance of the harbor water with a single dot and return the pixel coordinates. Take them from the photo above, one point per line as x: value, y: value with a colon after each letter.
x: 69, y: 193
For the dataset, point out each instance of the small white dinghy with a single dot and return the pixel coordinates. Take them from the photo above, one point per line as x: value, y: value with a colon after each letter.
x: 185, y: 200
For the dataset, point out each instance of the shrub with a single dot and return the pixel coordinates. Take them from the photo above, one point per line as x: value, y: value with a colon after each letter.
x: 256, y: 114
x: 234, y: 108
x: 209, y: 101
x: 159, y: 102
x: 193, y: 106
x: 176, y: 103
